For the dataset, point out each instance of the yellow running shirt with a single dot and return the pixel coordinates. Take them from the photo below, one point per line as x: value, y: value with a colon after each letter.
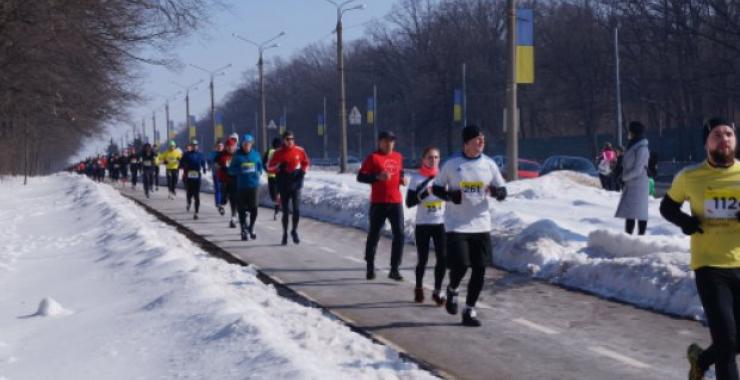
x: 171, y: 158
x: 714, y: 197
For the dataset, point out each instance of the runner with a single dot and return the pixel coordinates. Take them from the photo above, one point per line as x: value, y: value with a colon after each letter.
x: 712, y: 189
x: 466, y: 180
x: 192, y: 163
x: 217, y: 190
x: 383, y: 170
x: 171, y: 158
x: 155, y: 150
x: 290, y: 163
x: 429, y: 224
x: 114, y: 168
x: 271, y: 177
x: 134, y: 164
x: 123, y: 166
x: 148, y: 165
x: 228, y: 182
x: 246, y: 166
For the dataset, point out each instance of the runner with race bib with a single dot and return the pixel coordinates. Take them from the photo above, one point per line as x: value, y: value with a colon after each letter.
x: 467, y: 181
x: 192, y: 164
x: 712, y: 189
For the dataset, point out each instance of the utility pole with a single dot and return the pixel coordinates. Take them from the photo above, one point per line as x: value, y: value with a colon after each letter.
x: 341, y: 9
x: 512, y: 130
x: 326, y: 138
x: 465, y: 95
x: 212, y: 74
x: 187, y: 89
x: 618, y: 88
x: 154, y: 127
x: 261, y: 47
x: 375, y: 113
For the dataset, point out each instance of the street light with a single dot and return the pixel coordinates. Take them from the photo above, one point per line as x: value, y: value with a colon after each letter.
x: 342, y: 8
x: 187, y: 90
x: 212, y: 73
x: 261, y: 47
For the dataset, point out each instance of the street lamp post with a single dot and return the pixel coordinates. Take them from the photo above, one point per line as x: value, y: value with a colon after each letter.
x: 187, y: 89
x: 342, y: 8
x: 261, y: 47
x: 512, y: 130
x: 212, y: 73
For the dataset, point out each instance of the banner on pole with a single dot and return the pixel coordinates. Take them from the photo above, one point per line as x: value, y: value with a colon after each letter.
x: 218, y: 132
x: 370, y: 110
x: 321, y: 126
x: 191, y: 129
x: 524, y: 46
x: 457, y: 108
x: 171, y: 130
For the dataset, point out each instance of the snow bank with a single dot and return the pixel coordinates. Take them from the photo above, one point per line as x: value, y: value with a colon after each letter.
x: 148, y: 303
x: 559, y: 228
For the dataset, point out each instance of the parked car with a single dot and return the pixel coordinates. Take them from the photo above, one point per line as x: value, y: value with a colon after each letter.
x: 576, y: 164
x: 527, y: 168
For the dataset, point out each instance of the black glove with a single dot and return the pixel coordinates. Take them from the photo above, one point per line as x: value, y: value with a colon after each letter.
x: 691, y: 225
x: 738, y: 216
x: 498, y: 192
x: 455, y: 196
x: 423, y: 193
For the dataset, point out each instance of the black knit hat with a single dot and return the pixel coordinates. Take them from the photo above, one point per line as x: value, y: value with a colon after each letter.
x: 470, y: 132
x: 713, y: 123
x: 636, y: 128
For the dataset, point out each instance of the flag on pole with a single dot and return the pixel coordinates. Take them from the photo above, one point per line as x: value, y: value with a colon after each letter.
x: 524, y: 46
x: 370, y: 110
x: 457, y: 108
x: 171, y: 129
x: 282, y: 124
x: 218, y: 132
x: 191, y: 129
x: 321, y: 125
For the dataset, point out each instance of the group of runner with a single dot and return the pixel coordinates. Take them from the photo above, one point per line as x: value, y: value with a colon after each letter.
x: 453, y: 212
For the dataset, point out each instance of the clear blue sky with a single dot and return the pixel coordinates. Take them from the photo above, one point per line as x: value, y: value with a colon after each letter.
x: 304, y: 21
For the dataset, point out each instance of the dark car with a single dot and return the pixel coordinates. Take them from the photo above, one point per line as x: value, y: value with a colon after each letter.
x: 576, y: 164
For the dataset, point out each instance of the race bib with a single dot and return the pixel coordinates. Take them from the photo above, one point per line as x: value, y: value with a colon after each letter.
x: 433, y: 206
x: 193, y: 174
x: 721, y: 206
x: 474, y: 191
x: 116, y: 166
x: 248, y: 167
x: 147, y: 163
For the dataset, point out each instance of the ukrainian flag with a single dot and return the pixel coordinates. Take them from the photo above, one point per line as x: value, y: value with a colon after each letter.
x: 171, y: 130
x: 524, y: 46
x: 457, y: 108
x: 218, y: 132
x: 191, y: 129
x: 321, y: 126
x: 370, y: 111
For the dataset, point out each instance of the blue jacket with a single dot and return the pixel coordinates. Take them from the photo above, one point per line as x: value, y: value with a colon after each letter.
x: 192, y: 163
x: 247, y: 168
x: 211, y: 161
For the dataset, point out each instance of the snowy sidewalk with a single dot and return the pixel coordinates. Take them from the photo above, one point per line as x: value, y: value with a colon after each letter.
x: 531, y: 330
x: 127, y: 297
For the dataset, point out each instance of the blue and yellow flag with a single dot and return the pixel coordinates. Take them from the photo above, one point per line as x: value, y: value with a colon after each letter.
x: 218, y: 132
x: 191, y: 129
x: 524, y: 46
x: 321, y: 125
x: 457, y: 108
x: 171, y: 130
x: 370, y: 110
x: 282, y: 124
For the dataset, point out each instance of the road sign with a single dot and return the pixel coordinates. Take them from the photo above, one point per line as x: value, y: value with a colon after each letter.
x: 272, y: 125
x: 355, y: 117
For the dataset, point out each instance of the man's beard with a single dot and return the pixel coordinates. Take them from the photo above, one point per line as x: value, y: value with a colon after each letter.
x: 720, y: 158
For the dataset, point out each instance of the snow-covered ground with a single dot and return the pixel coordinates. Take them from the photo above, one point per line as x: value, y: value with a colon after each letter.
x: 560, y: 228
x: 93, y: 287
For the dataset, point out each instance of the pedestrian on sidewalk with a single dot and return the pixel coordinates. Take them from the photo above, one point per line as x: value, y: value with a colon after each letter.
x: 383, y: 170
x: 213, y: 167
x: 429, y: 224
x: 290, y: 164
x: 633, y: 205
x: 272, y: 177
x: 467, y: 181
x: 192, y: 164
x: 246, y: 166
x: 148, y: 160
x: 227, y: 181
x: 714, y: 226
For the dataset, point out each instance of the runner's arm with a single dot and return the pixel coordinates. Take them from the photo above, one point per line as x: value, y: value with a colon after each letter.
x: 366, y: 175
